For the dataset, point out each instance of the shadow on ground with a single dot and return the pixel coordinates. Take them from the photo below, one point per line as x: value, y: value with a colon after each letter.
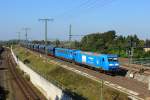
x: 2, y: 68
x: 72, y: 95
x: 121, y: 72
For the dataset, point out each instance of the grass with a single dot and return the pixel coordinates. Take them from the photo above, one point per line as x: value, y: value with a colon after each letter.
x: 79, y: 86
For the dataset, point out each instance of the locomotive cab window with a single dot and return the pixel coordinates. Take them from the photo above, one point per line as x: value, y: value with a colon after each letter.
x: 112, y: 59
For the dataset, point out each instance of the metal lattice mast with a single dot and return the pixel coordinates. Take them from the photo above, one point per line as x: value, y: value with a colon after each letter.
x: 18, y: 37
x: 26, y: 33
x: 46, y: 20
x: 70, y: 35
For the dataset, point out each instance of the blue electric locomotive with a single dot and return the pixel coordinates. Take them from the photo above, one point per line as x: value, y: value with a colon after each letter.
x: 102, y: 61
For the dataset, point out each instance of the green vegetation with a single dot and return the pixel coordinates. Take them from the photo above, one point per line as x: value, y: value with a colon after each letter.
x: 109, y: 42
x: 79, y: 86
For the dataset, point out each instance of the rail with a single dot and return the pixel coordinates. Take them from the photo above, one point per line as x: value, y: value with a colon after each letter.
x: 24, y: 86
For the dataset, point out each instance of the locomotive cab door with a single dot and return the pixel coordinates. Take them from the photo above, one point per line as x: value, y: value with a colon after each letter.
x: 102, y: 62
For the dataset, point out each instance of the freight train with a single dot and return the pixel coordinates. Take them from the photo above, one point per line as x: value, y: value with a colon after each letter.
x: 105, y: 62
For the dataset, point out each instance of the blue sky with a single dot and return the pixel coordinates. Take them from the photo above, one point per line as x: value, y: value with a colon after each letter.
x: 86, y: 16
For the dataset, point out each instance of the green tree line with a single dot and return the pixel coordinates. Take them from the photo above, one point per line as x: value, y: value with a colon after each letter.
x: 111, y: 43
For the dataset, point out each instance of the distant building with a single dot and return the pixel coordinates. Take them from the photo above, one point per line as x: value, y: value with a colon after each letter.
x: 146, y: 49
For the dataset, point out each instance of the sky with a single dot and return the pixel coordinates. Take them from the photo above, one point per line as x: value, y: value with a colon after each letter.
x: 126, y: 17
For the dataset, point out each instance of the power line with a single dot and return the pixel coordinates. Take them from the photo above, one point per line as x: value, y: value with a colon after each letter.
x: 94, y: 5
x: 87, y: 2
x: 85, y: 6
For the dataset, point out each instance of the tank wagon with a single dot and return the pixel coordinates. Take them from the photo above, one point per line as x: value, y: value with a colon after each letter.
x: 106, y: 62
x: 30, y: 46
x: 36, y: 47
x: 42, y: 48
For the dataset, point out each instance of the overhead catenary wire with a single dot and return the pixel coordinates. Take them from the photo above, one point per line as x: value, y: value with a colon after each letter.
x: 97, y: 5
x: 84, y: 8
x: 77, y: 8
x: 100, y: 4
x: 71, y: 9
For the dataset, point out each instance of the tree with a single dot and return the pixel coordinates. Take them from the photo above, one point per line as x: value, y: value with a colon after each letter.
x: 109, y: 42
x: 98, y: 42
x: 147, y: 43
x: 57, y: 42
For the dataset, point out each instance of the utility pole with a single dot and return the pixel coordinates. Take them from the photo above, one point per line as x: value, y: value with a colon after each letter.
x: 18, y: 37
x: 26, y: 33
x: 46, y: 20
x: 131, y: 53
x: 70, y: 35
x: 102, y: 84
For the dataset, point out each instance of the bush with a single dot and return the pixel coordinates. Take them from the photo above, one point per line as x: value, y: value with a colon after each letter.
x: 26, y: 61
x: 27, y: 77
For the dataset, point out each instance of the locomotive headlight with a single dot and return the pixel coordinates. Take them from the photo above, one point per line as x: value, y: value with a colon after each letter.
x: 116, y: 64
x: 111, y: 64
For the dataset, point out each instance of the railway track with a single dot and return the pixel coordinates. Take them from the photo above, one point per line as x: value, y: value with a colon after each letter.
x: 135, y: 68
x: 28, y: 91
x: 120, y: 80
